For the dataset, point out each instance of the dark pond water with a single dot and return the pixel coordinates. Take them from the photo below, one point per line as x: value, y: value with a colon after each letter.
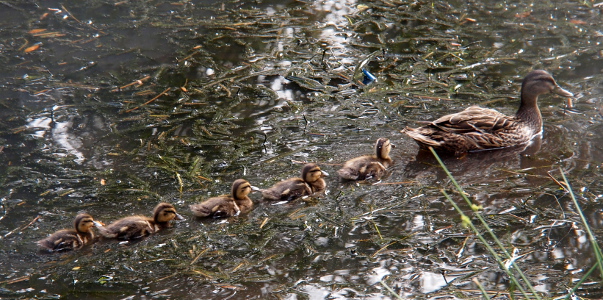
x: 112, y: 107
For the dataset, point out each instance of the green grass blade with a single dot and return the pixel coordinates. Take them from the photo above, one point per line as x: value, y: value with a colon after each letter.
x: 481, y: 288
x: 390, y: 290
x: 489, y: 230
x: 591, y: 236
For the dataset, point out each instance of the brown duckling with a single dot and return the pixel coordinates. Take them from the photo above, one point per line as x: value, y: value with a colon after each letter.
x: 227, y: 205
x: 139, y: 226
x: 71, y: 239
x: 369, y: 166
x: 478, y: 128
x: 310, y: 183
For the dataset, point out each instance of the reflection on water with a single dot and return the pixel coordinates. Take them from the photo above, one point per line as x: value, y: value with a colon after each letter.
x: 60, y: 134
x: 230, y: 112
x: 431, y: 282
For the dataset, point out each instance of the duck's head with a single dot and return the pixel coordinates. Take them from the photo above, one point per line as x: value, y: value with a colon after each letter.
x: 83, y: 223
x: 540, y: 82
x: 312, y: 173
x: 383, y: 147
x: 165, y: 212
x: 241, y: 188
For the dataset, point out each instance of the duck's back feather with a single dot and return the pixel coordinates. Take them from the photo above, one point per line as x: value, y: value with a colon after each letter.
x: 66, y: 239
x: 129, y: 228
x: 473, y: 129
x: 221, y: 206
x: 364, y: 167
x: 287, y: 190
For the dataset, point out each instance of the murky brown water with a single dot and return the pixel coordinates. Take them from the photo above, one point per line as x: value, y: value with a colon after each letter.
x: 72, y: 140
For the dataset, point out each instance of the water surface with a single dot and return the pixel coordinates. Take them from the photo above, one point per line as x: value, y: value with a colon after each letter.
x: 209, y: 102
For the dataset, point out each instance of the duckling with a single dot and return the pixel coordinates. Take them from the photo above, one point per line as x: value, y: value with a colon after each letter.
x: 310, y: 183
x: 369, y: 166
x: 71, y: 239
x: 227, y: 205
x: 478, y: 128
x: 139, y: 226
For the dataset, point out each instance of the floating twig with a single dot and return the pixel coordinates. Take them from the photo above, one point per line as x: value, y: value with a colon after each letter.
x: 559, y: 183
x: 70, y: 14
x: 146, y: 103
x: 432, y: 98
x: 394, y: 183
x: 139, y: 82
x: 191, y: 55
x: 264, y: 222
x: 19, y: 279
x: 21, y: 228
x: 199, y: 255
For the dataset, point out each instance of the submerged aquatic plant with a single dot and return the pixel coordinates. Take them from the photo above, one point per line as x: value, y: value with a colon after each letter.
x: 508, y: 262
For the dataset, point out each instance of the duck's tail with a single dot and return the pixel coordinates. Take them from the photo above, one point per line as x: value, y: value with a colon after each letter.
x: 421, y: 138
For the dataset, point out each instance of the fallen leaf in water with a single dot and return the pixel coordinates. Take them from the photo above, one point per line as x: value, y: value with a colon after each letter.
x: 577, y: 22
x: 33, y: 31
x: 523, y: 15
x: 32, y: 48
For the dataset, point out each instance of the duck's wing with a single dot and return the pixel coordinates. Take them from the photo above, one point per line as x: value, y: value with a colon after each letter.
x: 61, y: 240
x: 287, y: 190
x: 128, y: 228
x: 474, y: 119
x: 221, y: 206
x: 473, y: 129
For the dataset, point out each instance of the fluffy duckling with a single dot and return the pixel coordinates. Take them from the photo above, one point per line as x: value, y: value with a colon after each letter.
x: 71, y: 239
x: 369, y: 166
x: 227, y: 205
x: 139, y: 226
x: 478, y: 128
x: 310, y: 183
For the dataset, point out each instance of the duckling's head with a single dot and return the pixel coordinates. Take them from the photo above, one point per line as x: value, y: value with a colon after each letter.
x: 241, y: 188
x: 540, y: 82
x: 165, y: 212
x: 383, y: 147
x: 312, y: 172
x: 83, y: 223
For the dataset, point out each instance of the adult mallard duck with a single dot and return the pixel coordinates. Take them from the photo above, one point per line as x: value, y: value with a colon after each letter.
x: 369, y: 166
x: 310, y: 183
x: 227, y: 205
x: 478, y: 128
x: 138, y: 226
x: 71, y: 239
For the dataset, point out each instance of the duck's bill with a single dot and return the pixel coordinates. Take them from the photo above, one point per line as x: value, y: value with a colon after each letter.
x: 255, y: 188
x: 98, y: 224
x: 324, y: 173
x: 561, y: 92
x: 179, y: 217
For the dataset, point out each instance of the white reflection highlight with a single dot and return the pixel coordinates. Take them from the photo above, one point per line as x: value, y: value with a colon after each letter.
x: 418, y: 223
x: 431, y: 282
x: 59, y: 132
x: 377, y: 275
